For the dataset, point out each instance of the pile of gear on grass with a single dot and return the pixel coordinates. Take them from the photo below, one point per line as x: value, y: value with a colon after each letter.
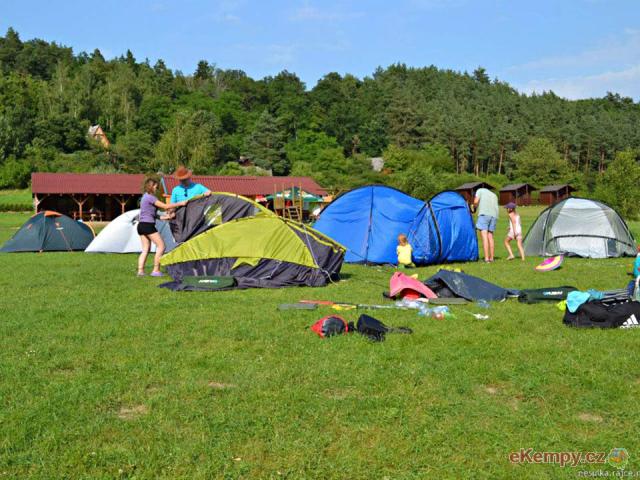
x: 225, y: 241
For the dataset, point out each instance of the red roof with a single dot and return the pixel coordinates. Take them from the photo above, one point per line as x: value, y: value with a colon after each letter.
x: 250, y: 186
x: 81, y: 183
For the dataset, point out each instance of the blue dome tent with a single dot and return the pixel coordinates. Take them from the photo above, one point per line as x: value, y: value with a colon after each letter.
x: 368, y: 220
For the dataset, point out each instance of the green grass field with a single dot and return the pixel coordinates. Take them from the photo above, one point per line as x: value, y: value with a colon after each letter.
x: 103, y: 375
x: 17, y: 200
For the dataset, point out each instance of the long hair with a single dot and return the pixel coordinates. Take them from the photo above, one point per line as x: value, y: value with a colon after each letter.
x: 147, y: 186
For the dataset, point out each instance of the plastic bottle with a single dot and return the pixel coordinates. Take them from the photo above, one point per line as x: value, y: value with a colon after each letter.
x: 482, y: 303
x: 404, y: 303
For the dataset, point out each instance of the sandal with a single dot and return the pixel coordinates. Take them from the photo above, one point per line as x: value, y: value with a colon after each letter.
x: 157, y: 274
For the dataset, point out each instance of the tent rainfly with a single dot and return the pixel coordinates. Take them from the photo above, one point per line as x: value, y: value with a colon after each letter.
x: 580, y: 227
x: 262, y: 251
x: 205, y: 212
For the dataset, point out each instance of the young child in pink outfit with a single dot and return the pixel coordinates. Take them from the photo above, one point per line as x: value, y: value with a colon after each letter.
x: 515, y: 231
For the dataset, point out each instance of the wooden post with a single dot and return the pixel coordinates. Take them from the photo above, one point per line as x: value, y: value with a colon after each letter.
x: 37, y: 201
x: 123, y: 202
x: 80, y: 203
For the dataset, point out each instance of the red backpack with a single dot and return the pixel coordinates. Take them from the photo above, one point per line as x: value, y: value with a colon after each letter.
x: 330, y: 325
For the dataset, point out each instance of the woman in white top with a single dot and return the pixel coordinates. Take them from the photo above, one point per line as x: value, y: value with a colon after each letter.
x: 515, y: 231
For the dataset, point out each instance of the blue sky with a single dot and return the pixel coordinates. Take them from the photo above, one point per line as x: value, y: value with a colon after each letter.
x: 578, y: 48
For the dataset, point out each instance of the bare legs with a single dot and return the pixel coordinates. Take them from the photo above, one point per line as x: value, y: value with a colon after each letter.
x: 507, y: 245
x: 146, y: 246
x: 157, y: 239
x: 488, y: 245
x: 520, y: 248
x: 492, y: 246
x: 485, y: 244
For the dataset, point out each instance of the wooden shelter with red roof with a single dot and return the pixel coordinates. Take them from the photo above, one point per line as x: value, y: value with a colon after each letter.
x: 104, y: 196
x: 256, y: 188
x: 89, y: 196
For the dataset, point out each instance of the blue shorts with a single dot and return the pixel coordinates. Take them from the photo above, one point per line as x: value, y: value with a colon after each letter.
x: 486, y: 222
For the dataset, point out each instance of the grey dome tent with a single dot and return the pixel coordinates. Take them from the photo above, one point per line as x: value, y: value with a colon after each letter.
x: 121, y: 235
x: 580, y: 227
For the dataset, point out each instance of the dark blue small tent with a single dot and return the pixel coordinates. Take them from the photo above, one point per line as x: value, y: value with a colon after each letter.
x: 449, y: 284
x: 368, y: 220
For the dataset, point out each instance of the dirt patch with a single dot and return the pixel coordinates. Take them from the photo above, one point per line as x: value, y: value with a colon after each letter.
x: 220, y: 386
x: 491, y: 389
x: 131, y: 413
x: 340, y: 393
x: 590, y: 417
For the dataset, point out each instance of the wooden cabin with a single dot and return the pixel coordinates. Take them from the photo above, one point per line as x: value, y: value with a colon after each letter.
x: 554, y: 193
x: 468, y: 190
x: 518, y: 193
x: 97, y: 134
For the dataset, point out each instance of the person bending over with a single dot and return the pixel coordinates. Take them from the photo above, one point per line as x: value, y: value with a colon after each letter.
x: 147, y: 226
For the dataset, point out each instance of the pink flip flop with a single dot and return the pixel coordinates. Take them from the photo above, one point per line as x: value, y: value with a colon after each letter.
x: 157, y: 274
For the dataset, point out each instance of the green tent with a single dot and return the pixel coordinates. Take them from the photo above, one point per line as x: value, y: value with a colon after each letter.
x: 260, y: 251
x: 49, y: 232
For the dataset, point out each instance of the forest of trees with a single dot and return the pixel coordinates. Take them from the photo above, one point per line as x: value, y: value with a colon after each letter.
x: 435, y: 128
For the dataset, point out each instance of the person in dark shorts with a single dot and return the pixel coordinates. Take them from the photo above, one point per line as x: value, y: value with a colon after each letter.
x: 147, y: 226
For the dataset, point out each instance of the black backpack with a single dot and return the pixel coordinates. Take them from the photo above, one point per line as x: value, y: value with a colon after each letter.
x: 375, y: 330
x: 599, y: 314
x: 331, y: 325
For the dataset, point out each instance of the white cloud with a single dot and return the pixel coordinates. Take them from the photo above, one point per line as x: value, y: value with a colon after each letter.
x: 611, y: 65
x: 434, y: 4
x: 270, y: 55
x: 625, y: 82
x: 621, y: 50
x: 158, y: 7
x: 281, y: 55
x: 226, y: 11
x: 311, y: 13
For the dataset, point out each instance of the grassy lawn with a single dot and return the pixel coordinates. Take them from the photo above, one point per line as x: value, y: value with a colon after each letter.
x: 16, y: 200
x: 103, y: 375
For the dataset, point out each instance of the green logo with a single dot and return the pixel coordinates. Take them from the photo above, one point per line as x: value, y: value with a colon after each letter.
x: 618, y: 458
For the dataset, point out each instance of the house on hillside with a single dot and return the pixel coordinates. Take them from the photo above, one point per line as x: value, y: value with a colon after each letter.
x: 377, y: 163
x: 518, y: 193
x: 96, y: 133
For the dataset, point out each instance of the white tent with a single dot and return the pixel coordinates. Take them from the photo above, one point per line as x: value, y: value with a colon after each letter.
x: 121, y: 235
x: 580, y: 227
